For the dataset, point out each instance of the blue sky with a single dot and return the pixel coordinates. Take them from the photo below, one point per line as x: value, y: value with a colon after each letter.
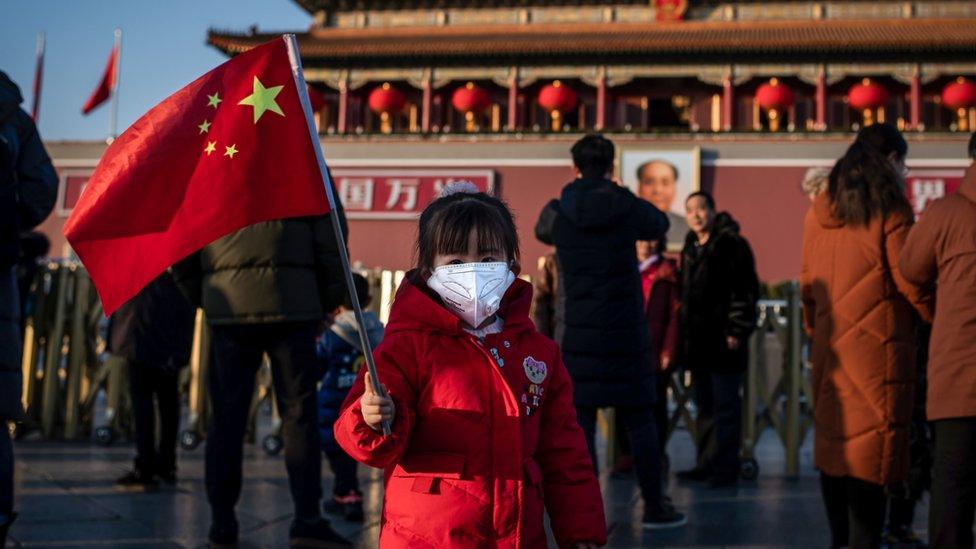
x: 162, y: 50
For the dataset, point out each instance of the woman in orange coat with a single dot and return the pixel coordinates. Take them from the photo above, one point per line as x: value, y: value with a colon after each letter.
x: 858, y: 313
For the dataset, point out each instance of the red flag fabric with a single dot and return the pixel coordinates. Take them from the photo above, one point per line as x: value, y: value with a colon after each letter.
x: 231, y: 149
x: 105, y: 85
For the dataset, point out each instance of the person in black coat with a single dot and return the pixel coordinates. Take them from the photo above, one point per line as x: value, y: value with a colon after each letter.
x: 595, y: 225
x: 718, y: 313
x: 28, y: 188
x: 153, y: 332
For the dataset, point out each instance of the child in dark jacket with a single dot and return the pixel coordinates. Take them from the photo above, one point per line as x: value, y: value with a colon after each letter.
x: 340, y: 357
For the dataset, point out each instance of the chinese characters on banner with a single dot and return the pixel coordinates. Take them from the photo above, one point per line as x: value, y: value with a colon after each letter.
x: 399, y: 194
x: 925, y: 186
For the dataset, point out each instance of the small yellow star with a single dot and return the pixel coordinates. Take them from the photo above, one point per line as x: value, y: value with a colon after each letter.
x: 213, y: 100
x: 205, y: 127
x: 211, y: 147
x: 231, y: 151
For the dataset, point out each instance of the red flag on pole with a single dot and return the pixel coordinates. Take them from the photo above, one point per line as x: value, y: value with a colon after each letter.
x: 231, y: 149
x: 104, y: 89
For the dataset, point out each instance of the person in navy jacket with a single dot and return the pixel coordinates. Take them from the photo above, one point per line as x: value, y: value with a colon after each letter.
x: 340, y: 357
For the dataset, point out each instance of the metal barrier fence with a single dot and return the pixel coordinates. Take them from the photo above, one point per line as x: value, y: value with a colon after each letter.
x: 68, y: 372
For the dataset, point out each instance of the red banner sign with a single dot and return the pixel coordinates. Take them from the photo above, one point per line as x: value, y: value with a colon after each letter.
x: 399, y: 194
x: 925, y: 186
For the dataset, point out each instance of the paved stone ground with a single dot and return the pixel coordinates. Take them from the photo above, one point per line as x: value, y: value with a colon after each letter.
x: 66, y: 499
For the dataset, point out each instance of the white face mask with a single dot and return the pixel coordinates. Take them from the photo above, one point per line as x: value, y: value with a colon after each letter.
x: 473, y: 291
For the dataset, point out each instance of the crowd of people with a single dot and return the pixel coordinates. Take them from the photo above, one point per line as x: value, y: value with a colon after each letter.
x: 491, y: 393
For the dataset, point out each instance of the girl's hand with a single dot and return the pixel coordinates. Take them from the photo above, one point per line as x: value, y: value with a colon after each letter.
x: 585, y: 545
x: 732, y: 342
x: 375, y: 408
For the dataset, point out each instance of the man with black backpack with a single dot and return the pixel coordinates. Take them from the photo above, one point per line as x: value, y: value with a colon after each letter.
x: 28, y: 188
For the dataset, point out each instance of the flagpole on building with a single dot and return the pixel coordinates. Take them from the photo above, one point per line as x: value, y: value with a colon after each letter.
x: 296, y: 70
x: 114, y: 113
x: 38, y: 76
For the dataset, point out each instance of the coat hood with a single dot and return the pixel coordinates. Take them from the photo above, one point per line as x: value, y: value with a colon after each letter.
x: 345, y: 327
x: 416, y: 308
x: 968, y: 186
x: 592, y: 203
x: 10, y: 98
x: 823, y: 210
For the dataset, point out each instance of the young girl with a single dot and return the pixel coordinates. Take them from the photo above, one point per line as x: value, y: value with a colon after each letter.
x: 480, y: 404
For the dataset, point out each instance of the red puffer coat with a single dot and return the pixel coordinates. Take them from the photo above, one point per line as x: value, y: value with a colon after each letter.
x: 484, y: 435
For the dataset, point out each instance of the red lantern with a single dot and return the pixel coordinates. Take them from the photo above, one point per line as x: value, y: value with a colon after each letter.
x: 557, y: 99
x: 774, y: 98
x: 960, y: 96
x: 471, y: 98
x: 670, y: 10
x: 867, y: 97
x: 386, y: 100
x: 472, y: 101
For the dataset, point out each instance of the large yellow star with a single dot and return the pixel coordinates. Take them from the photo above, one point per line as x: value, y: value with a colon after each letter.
x: 263, y: 99
x: 231, y: 151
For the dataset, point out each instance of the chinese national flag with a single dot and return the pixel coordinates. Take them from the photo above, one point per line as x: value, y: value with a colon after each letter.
x: 231, y: 149
x: 104, y: 89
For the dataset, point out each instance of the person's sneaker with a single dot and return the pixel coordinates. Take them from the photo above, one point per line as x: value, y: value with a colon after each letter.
x: 315, y: 533
x: 698, y: 474
x: 349, y: 506
x: 333, y: 506
x: 663, y: 517
x: 136, y: 481
x: 223, y: 535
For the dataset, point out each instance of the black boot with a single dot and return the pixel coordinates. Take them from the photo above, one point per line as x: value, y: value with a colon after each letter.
x: 223, y: 532
x: 137, y: 481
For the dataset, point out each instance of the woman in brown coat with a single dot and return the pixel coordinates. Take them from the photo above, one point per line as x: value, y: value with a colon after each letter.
x: 941, y: 251
x: 858, y: 313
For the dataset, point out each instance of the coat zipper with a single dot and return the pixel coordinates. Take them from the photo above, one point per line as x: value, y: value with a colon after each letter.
x: 496, y: 371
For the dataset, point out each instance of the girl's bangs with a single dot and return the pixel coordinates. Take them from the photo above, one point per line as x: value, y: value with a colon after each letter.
x: 454, y: 228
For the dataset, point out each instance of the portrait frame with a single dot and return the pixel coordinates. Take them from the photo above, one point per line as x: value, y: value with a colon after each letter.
x: 685, y: 158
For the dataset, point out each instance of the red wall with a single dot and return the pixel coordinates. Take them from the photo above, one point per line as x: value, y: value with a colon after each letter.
x: 770, y: 206
x: 390, y: 244
x: 766, y: 200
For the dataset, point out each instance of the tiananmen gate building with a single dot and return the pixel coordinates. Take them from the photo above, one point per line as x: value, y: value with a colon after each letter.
x: 740, y: 98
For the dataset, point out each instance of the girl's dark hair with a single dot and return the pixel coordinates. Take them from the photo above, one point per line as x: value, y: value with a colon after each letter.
x: 446, y: 225
x: 863, y: 184
x: 885, y: 139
